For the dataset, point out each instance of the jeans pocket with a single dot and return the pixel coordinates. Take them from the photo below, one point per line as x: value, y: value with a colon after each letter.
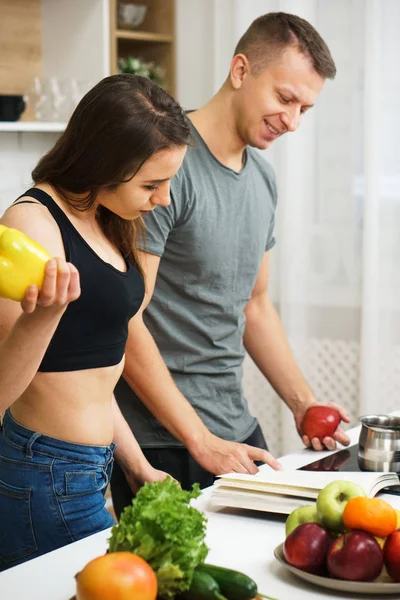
x: 17, y: 539
x: 78, y: 482
x: 82, y: 502
x: 72, y: 480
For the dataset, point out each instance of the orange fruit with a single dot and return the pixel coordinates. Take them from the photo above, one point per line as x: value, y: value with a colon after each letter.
x: 370, y: 514
x: 398, y: 518
x: 117, y: 576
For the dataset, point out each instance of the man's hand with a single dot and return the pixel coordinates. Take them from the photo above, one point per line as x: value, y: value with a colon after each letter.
x: 219, y: 456
x: 328, y: 443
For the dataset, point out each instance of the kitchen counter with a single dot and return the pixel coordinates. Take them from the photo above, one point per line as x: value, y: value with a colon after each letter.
x: 241, y: 540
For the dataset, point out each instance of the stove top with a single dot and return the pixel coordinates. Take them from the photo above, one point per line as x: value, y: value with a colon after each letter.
x: 344, y: 460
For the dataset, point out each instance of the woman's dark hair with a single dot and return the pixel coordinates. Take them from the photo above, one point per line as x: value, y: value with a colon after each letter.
x: 115, y: 128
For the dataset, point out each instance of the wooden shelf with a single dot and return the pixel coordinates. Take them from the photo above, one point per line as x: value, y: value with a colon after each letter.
x: 65, y: 39
x: 20, y: 34
x: 31, y: 126
x: 144, y: 36
x: 152, y: 41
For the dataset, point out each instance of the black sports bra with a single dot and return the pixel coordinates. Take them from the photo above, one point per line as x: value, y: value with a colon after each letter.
x: 94, y: 328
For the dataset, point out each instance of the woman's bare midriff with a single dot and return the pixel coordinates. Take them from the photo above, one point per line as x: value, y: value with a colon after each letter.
x: 74, y: 406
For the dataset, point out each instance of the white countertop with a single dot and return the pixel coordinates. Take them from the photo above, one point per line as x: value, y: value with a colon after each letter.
x: 242, y: 540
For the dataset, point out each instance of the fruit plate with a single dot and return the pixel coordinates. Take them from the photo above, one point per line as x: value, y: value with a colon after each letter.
x: 355, y: 587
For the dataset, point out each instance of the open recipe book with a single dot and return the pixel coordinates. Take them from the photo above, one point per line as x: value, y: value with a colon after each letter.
x: 283, y: 491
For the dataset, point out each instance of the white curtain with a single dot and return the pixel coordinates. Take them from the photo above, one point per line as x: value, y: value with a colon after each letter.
x: 335, y: 268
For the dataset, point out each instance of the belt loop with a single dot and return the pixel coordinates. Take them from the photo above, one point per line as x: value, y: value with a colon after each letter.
x: 31, y: 441
x: 109, y: 456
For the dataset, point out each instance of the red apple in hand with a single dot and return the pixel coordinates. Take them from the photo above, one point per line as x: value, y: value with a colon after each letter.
x: 391, y: 555
x: 307, y: 546
x: 320, y: 422
x: 355, y: 556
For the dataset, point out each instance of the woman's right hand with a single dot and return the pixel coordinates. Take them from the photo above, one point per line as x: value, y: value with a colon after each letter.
x: 60, y: 287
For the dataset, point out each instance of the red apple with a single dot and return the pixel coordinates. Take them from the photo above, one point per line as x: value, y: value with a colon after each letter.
x: 355, y: 556
x: 391, y: 555
x: 307, y: 546
x: 320, y: 422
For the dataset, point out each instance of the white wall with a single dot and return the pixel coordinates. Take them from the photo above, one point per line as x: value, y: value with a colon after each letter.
x: 194, y: 52
x: 75, y: 39
x: 19, y: 153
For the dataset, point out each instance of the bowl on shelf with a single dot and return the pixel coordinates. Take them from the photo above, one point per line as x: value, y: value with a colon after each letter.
x: 11, y: 107
x: 131, y: 16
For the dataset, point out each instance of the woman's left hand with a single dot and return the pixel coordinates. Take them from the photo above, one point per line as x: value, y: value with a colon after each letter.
x: 149, y: 474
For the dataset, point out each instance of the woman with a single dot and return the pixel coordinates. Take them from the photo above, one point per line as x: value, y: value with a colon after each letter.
x: 62, y: 349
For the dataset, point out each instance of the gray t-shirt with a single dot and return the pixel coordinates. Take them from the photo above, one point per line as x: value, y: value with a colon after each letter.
x: 211, y: 240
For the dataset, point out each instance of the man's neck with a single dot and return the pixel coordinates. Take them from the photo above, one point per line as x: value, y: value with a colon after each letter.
x: 215, y: 123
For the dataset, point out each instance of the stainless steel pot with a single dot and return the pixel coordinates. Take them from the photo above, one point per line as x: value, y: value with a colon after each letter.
x: 379, y: 443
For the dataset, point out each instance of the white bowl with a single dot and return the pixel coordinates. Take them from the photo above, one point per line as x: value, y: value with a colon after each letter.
x: 131, y: 15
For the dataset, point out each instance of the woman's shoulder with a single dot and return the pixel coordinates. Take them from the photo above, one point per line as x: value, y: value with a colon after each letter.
x: 33, y: 218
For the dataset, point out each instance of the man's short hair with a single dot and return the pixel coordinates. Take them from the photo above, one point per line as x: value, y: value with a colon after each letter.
x: 269, y: 35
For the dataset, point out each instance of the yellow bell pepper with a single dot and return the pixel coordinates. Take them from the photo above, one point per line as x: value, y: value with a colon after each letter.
x: 22, y: 263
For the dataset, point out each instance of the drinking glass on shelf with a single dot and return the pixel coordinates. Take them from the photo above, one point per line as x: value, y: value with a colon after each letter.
x: 58, y: 100
x: 33, y: 94
x: 73, y: 90
x: 55, y: 99
x: 38, y: 97
x: 71, y: 97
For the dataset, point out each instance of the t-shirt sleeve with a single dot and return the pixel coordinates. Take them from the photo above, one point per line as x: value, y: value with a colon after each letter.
x: 160, y: 222
x: 271, y: 241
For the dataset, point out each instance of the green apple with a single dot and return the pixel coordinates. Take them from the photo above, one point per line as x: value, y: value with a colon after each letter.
x: 331, y: 502
x: 298, y: 516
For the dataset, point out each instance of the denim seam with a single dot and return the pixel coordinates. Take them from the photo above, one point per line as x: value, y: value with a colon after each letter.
x: 81, y: 495
x: 24, y: 465
x: 18, y: 446
x: 23, y: 554
x: 57, y: 503
x: 70, y: 460
x: 6, y: 492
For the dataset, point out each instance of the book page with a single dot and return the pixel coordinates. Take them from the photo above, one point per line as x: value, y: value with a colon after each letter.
x: 256, y: 501
x: 303, y: 483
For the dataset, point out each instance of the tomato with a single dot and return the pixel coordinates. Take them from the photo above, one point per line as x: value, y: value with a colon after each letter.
x: 117, y: 575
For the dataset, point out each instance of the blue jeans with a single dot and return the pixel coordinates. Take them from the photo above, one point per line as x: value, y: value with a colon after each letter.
x: 51, y: 492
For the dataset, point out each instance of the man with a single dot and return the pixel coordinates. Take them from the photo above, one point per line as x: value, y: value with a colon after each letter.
x: 207, y: 267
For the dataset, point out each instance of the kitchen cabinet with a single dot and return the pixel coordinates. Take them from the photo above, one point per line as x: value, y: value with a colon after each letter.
x: 153, y: 40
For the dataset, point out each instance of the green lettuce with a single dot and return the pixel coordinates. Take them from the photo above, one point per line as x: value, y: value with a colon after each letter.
x: 162, y: 528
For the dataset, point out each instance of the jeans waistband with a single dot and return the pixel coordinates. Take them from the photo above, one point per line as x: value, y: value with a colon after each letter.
x: 33, y: 441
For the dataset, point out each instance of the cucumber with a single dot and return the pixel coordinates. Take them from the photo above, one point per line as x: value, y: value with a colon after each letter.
x: 233, y: 584
x: 203, y: 587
